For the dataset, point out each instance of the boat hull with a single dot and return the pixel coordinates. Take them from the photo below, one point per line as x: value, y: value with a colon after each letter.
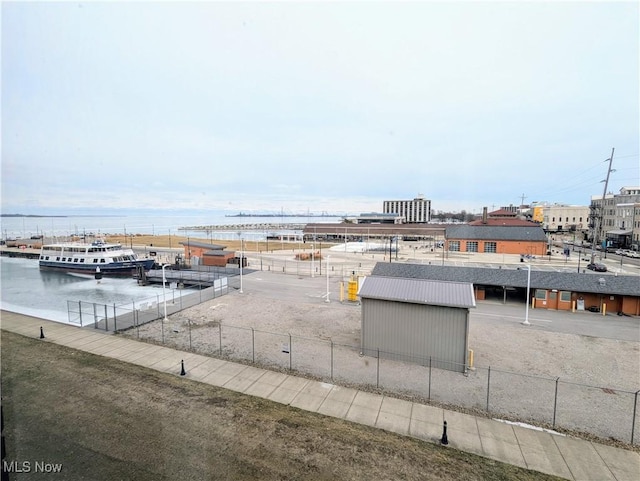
x: 122, y: 269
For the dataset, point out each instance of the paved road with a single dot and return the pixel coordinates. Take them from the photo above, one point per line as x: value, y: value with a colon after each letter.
x: 611, y: 326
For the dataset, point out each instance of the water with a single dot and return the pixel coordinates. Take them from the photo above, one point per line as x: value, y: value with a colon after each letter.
x: 50, y: 227
x: 27, y: 290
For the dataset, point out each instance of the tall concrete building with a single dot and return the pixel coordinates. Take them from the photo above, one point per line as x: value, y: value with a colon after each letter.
x: 416, y: 211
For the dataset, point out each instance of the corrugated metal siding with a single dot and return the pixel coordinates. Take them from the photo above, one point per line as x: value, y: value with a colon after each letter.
x: 414, y: 332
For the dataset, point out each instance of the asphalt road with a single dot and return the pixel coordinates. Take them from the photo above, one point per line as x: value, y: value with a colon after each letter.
x: 584, y: 323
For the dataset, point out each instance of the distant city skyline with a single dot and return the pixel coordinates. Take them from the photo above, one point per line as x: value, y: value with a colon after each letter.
x: 315, y: 106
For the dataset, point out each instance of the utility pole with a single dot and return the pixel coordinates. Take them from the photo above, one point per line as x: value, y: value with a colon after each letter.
x: 522, y: 197
x: 597, y: 222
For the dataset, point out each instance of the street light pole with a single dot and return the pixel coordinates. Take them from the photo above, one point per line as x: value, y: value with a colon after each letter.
x: 526, y: 312
x: 313, y: 264
x: 164, y: 297
x: 241, y: 254
x: 327, y: 269
x: 579, y: 255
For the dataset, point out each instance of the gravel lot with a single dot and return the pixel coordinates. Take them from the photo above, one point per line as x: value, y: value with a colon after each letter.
x: 595, y: 378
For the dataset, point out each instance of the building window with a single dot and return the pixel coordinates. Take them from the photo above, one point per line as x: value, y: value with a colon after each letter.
x: 541, y: 294
x: 565, y: 296
x: 454, y: 246
x: 490, y: 247
x: 472, y: 246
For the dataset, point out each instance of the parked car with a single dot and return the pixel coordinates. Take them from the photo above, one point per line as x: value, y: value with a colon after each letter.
x: 634, y: 254
x: 597, y: 267
x: 620, y: 252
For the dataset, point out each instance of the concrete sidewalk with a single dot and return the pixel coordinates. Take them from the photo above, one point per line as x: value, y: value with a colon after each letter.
x: 563, y: 456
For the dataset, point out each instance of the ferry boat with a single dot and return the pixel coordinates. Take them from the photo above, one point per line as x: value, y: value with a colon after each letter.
x: 99, y: 258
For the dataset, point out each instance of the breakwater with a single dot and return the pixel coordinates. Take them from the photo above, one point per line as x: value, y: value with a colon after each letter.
x: 260, y: 226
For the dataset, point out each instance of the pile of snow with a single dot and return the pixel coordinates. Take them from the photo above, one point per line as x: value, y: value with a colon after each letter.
x: 357, y: 247
x: 529, y: 426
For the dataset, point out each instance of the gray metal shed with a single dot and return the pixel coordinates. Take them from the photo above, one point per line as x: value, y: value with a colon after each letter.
x: 416, y: 320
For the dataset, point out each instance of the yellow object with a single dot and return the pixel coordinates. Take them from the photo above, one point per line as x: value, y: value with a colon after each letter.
x: 471, y: 359
x: 604, y: 309
x: 352, y: 290
x: 341, y: 291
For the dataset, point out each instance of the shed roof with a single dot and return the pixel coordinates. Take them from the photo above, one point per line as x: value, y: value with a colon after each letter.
x: 218, y: 253
x: 205, y: 245
x: 592, y: 282
x: 419, y: 291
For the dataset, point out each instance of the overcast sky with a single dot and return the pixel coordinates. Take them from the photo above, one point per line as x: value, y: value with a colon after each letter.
x: 316, y: 106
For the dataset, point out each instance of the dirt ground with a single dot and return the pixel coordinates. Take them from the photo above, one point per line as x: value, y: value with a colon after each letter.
x: 174, y: 241
x: 104, y: 419
x: 525, y: 362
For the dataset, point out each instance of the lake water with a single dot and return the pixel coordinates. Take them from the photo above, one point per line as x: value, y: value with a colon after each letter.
x: 25, y: 227
x: 27, y: 290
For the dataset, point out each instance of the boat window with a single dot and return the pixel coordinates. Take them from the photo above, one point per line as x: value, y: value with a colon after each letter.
x: 57, y: 258
x: 75, y: 260
x: 95, y: 261
x: 82, y: 260
x: 101, y: 261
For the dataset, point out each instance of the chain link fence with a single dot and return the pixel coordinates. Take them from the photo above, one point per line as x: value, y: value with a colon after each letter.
x: 550, y: 402
x: 311, y: 268
x: 120, y: 317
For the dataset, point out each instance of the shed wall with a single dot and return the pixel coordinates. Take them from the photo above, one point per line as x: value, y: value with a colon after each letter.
x: 414, y: 332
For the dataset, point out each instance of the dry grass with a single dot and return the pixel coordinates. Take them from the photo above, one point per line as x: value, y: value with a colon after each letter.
x: 105, y: 419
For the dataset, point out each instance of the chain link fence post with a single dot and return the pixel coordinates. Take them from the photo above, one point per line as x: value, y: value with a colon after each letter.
x: 253, y: 346
x: 488, y: 386
x: 332, y: 360
x: 555, y: 403
x: 633, y: 421
x: 378, y: 369
x: 429, y: 395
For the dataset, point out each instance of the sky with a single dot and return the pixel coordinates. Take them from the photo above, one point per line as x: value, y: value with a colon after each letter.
x: 316, y: 106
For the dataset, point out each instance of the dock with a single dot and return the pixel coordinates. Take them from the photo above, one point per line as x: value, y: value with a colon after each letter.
x: 24, y: 253
x: 190, y: 277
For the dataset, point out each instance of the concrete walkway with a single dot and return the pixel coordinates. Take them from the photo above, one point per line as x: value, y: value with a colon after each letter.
x: 559, y: 455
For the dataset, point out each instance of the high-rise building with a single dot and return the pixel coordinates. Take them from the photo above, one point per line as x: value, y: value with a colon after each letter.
x: 416, y: 211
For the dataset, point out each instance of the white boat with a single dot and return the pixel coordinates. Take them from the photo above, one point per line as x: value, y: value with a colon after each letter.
x: 98, y: 258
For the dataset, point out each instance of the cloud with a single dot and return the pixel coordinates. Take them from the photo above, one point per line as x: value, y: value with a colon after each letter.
x: 294, y: 104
